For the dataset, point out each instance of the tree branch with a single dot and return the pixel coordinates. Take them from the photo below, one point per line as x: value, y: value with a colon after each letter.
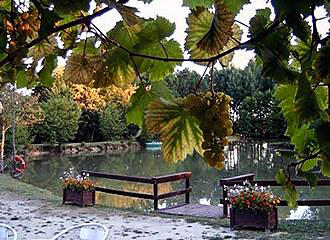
x: 83, y: 20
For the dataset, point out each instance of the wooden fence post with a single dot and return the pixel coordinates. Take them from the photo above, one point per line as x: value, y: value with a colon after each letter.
x: 155, y: 195
x: 188, y: 193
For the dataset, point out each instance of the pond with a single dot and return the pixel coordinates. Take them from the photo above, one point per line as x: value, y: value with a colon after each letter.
x: 242, y: 157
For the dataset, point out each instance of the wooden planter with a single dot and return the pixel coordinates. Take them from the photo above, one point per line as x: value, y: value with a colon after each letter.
x: 79, y: 198
x: 259, y: 220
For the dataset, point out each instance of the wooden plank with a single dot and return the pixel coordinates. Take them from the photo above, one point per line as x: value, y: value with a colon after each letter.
x: 196, y: 210
x: 174, y: 193
x: 118, y: 177
x: 124, y: 193
x: 172, y: 177
x: 321, y: 182
x: 248, y: 176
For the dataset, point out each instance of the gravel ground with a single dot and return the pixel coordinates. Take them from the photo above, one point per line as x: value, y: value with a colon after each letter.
x: 37, y: 219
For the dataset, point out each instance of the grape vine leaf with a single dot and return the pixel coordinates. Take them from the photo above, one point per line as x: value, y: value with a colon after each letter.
x: 289, y: 189
x: 156, y: 30
x: 176, y: 128
x: 310, y: 177
x: 302, y: 138
x: 142, y: 97
x: 237, y: 35
x: 45, y: 74
x: 158, y: 70
x: 80, y: 69
x: 69, y: 38
x: 43, y: 48
x: 197, y: 3
x: 21, y: 79
x: 5, y: 5
x: 87, y: 47
x: 235, y: 6
x: 309, y: 164
x: 128, y: 14
x: 220, y: 30
x: 119, y: 71
x: 322, y: 65
x: 322, y: 129
x: 69, y: 7
x: 125, y: 35
x: 3, y: 32
x: 306, y: 104
x: 48, y: 20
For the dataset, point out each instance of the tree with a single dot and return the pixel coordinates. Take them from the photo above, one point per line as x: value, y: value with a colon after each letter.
x: 26, y: 110
x: 184, y: 82
x: 61, y: 116
x: 240, y: 84
x: 259, y: 116
x: 142, y: 48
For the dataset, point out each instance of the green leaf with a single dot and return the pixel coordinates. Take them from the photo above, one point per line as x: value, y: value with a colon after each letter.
x: 310, y: 177
x: 286, y: 94
x: 125, y: 35
x: 259, y: 22
x: 291, y: 194
x: 128, y: 14
x: 219, y: 32
x: 69, y: 38
x: 45, y: 75
x: 300, y: 27
x: 177, y: 129
x: 3, y: 32
x: 309, y: 164
x: 5, y: 5
x: 119, y: 71
x: 42, y: 49
x: 197, y: 3
x: 235, y: 6
x: 69, y: 7
x: 325, y: 163
x: 88, y: 48
x: 142, y: 97
x: 280, y: 177
x: 306, y: 104
x: 156, y: 30
x: 158, y: 70
x: 322, y: 65
x: 302, y: 138
x: 48, y: 20
x: 21, y: 79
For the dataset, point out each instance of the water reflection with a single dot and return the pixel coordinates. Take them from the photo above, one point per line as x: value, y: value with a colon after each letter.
x: 242, y: 157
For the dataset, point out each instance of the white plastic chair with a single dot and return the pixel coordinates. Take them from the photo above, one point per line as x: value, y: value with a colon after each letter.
x: 84, y: 231
x: 7, y: 232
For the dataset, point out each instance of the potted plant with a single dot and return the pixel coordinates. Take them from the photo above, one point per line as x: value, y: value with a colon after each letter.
x: 253, y: 207
x: 78, y: 189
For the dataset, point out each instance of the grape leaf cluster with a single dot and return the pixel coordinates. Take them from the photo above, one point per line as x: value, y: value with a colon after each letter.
x: 212, y: 111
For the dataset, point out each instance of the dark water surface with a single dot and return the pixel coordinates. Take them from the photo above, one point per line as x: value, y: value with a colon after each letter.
x: 242, y: 157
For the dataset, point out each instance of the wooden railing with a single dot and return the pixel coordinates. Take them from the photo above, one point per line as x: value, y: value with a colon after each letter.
x: 238, y: 180
x: 153, y: 180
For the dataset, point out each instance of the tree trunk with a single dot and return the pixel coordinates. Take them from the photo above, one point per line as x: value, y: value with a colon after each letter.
x: 2, y: 148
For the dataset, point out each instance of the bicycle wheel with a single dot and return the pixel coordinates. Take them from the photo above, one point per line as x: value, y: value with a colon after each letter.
x: 85, y: 231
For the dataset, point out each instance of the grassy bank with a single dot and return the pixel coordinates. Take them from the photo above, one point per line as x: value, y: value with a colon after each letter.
x: 13, y: 186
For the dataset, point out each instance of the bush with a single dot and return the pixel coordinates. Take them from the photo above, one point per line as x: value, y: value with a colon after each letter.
x: 61, y: 120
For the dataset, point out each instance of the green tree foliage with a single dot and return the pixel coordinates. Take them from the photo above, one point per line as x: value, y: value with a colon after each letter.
x: 61, y: 120
x: 240, y: 84
x: 184, y: 82
x: 113, y: 125
x: 259, y: 116
x: 143, y: 48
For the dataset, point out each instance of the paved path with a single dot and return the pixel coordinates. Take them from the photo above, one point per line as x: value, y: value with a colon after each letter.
x: 34, y: 219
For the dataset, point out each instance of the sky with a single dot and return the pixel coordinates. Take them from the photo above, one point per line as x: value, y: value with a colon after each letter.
x: 174, y: 12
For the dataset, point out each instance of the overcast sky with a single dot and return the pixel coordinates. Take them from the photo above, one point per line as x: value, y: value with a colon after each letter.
x: 173, y: 11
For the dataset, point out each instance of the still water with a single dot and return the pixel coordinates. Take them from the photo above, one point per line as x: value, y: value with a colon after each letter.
x: 242, y: 157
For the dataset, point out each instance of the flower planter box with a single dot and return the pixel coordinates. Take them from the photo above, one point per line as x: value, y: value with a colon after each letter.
x: 79, y: 198
x: 259, y: 220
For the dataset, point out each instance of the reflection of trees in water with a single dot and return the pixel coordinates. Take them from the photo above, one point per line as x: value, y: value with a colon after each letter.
x: 129, y: 202
x: 253, y: 157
